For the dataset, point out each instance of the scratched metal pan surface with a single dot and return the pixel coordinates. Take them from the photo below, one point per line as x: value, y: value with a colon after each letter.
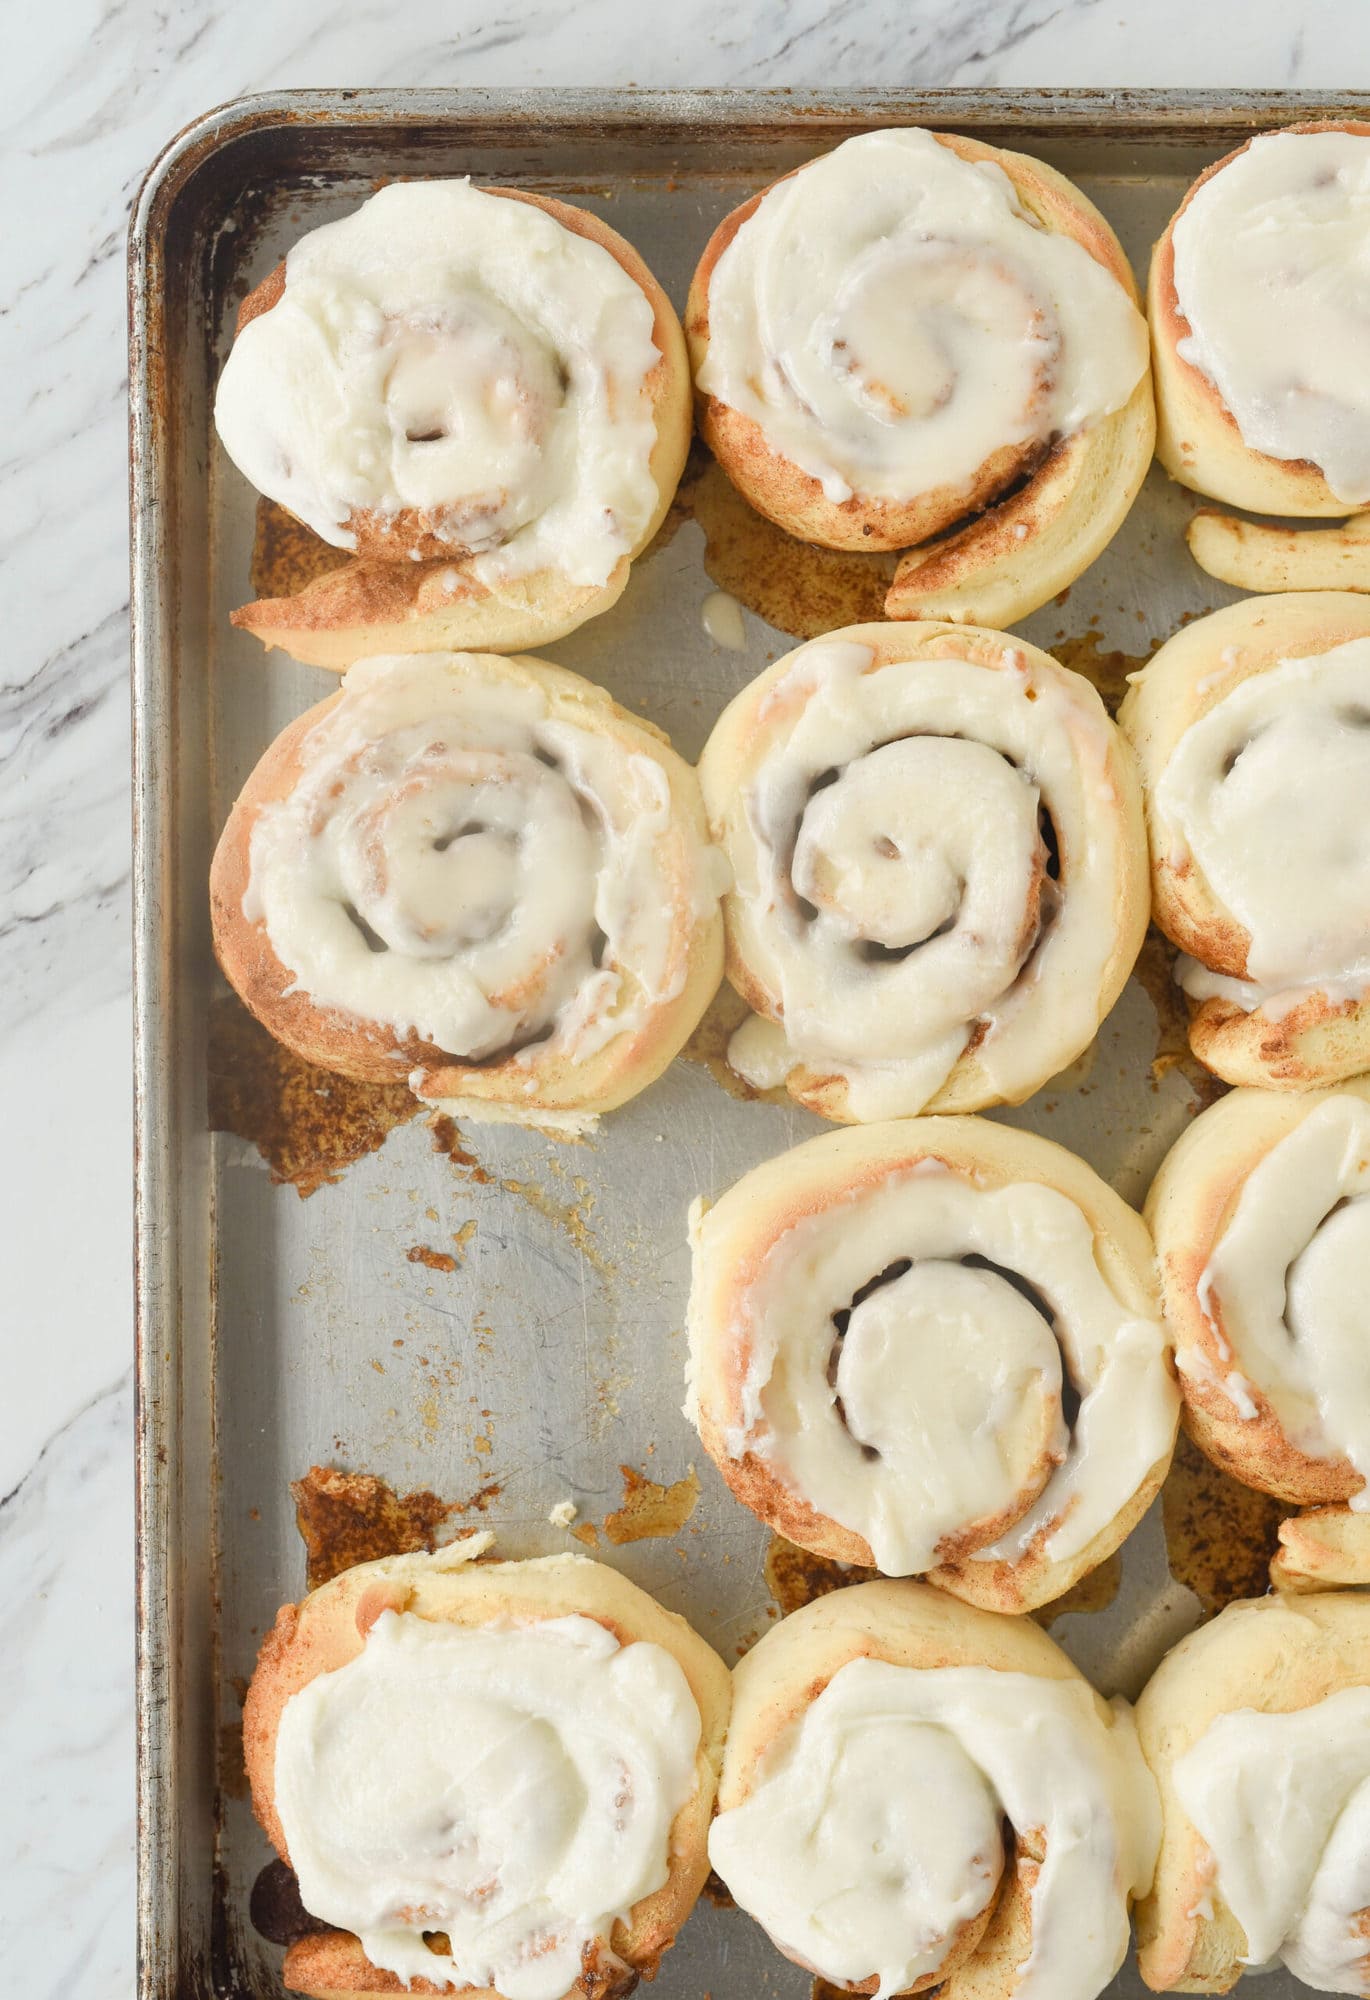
x: 506, y: 1326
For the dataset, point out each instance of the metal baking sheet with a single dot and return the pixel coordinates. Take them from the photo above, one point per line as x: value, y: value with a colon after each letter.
x: 503, y: 1327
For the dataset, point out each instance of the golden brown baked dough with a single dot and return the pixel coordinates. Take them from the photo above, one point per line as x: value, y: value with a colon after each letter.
x: 1258, y: 1660
x: 385, y: 600
x: 328, y: 1629
x: 354, y: 807
x: 952, y: 1280
x: 1250, y: 728
x: 1036, y: 515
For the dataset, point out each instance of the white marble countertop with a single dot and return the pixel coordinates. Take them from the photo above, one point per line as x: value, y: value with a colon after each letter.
x: 91, y: 90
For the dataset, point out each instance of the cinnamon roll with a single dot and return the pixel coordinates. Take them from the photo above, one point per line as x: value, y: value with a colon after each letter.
x: 939, y: 868
x: 1257, y: 1728
x: 933, y: 1346
x: 1252, y: 733
x: 917, y: 1794
x: 480, y: 872
x: 1258, y: 325
x: 1261, y: 1215
x: 491, y: 1777
x: 918, y: 328
x: 484, y: 383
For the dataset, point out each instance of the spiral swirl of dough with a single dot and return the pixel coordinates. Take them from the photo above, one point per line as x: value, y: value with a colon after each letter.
x: 1259, y: 309
x: 482, y: 379
x: 933, y: 1346
x: 1261, y: 1215
x: 1252, y: 731
x: 498, y: 1774
x: 917, y: 1794
x: 1257, y: 1728
x: 939, y: 865
x: 478, y: 870
x: 896, y: 335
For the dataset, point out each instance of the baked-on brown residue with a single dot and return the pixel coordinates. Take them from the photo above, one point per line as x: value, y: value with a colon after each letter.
x: 795, y: 586
x: 286, y: 555
x: 795, y: 1576
x: 1219, y: 1534
x: 275, y: 1908
x: 1155, y: 973
x: 1086, y: 654
x: 1092, y: 1592
x: 306, y: 1123
x: 432, y: 1260
x: 345, y: 1518
x: 717, y: 1892
x: 447, y: 1139
x: 650, y: 1511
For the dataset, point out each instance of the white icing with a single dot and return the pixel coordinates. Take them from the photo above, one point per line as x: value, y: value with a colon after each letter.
x: 1272, y: 272
x: 1283, y: 1802
x: 1266, y: 792
x: 947, y: 1371
x: 436, y: 307
x: 512, y: 1786
x: 892, y: 317
x: 1285, y: 1283
x: 496, y: 850
x: 928, y: 837
x: 872, y: 1833
x: 721, y: 617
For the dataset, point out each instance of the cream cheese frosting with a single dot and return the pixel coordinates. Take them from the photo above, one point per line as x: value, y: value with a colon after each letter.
x: 461, y: 862
x: 1272, y: 274
x: 891, y: 875
x: 1283, y: 1803
x: 891, y: 316
x: 510, y: 1786
x: 872, y: 1834
x: 1284, y: 1288
x: 459, y: 354
x: 1266, y: 793
x: 940, y: 1404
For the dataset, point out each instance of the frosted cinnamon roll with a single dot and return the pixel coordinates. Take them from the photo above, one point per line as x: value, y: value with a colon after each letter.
x: 917, y: 1794
x: 482, y: 873
x: 916, y: 328
x: 933, y: 1346
x: 1257, y: 1728
x: 489, y: 1777
x: 1259, y: 325
x: 939, y: 868
x: 1261, y: 1216
x: 479, y: 378
x: 1252, y: 733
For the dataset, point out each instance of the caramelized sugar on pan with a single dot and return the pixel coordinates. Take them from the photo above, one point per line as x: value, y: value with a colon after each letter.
x: 275, y: 1908
x: 1219, y: 1534
x: 1155, y: 973
x: 286, y: 555
x: 306, y: 1123
x: 798, y: 588
x: 795, y: 1577
x: 1106, y: 669
x: 649, y: 1511
x: 345, y: 1518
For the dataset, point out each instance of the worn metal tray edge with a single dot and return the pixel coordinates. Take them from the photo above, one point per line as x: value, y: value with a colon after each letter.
x: 167, y: 1510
